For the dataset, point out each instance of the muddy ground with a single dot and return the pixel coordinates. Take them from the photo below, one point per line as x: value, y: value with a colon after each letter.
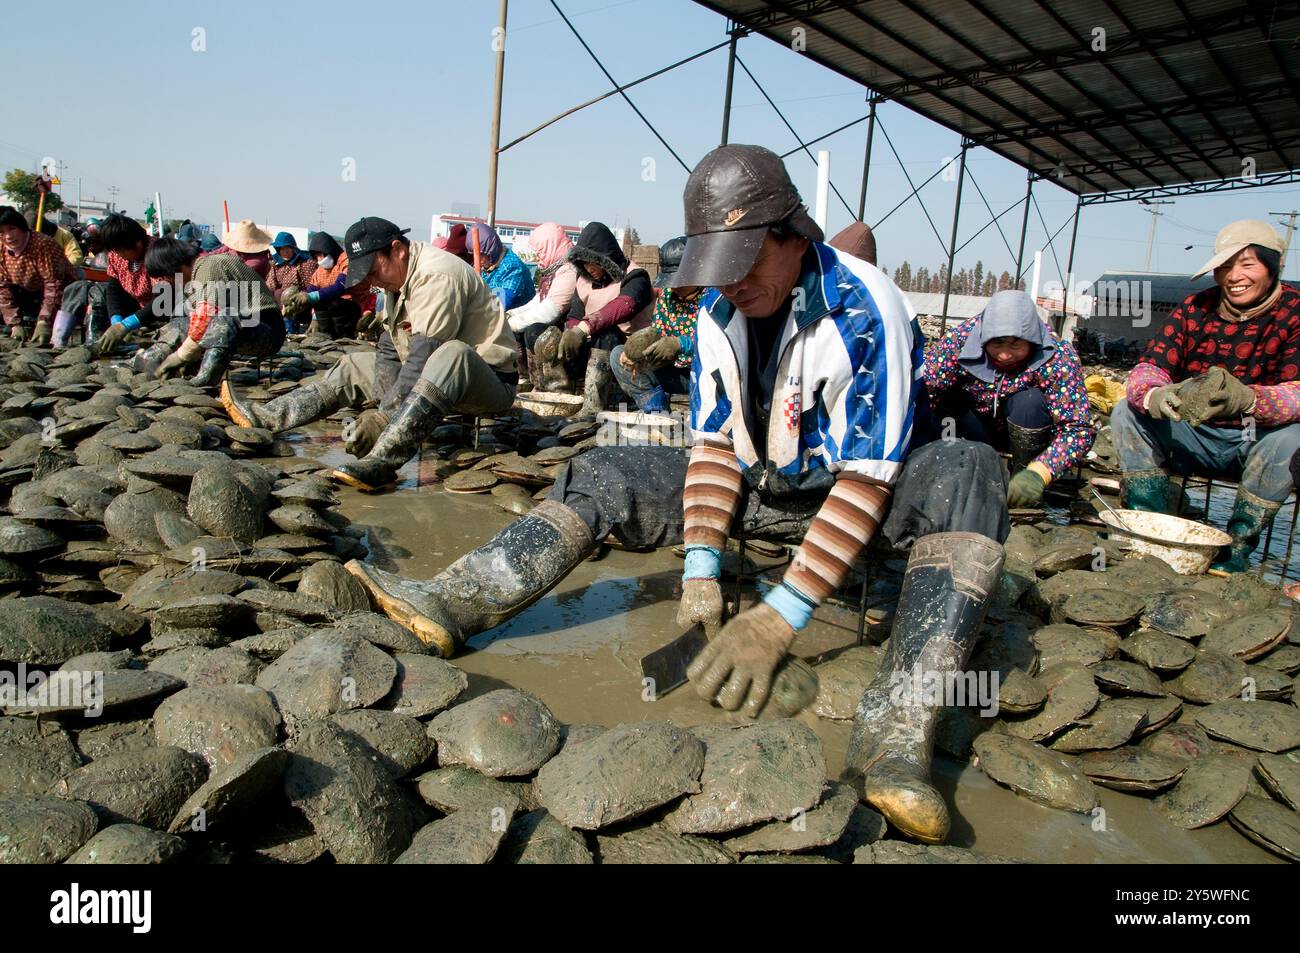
x: 578, y: 649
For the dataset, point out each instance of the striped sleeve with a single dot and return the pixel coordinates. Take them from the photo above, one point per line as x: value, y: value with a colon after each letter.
x: 841, y: 529
x: 711, y: 496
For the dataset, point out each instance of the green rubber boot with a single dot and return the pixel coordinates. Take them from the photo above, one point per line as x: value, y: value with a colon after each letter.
x: 1146, y: 490
x: 1251, y: 516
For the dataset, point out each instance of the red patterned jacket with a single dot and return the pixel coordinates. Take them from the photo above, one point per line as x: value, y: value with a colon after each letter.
x: 1262, y: 352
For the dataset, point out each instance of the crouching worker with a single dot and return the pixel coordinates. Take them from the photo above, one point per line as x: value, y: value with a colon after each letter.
x: 611, y: 300
x: 109, y: 311
x: 1003, y: 378
x: 33, y: 276
x: 219, y: 307
x: 557, y: 279
x: 807, y: 369
x: 445, y: 349
x: 656, y: 361
x: 1218, y: 391
x: 335, y: 310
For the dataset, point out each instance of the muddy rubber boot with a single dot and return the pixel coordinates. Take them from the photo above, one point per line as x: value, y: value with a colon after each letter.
x: 525, y: 369
x: 301, y: 405
x: 552, y: 375
x: 212, y: 367
x: 1251, y: 516
x: 63, y: 325
x: 1027, y: 443
x: 151, y: 358
x: 534, y: 373
x: 41, y: 334
x: 487, y: 586
x: 1146, y: 490
x: 596, y: 385
x: 424, y: 408
x: 949, y: 580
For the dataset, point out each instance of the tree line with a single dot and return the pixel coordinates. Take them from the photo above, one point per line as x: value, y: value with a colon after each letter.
x: 968, y: 281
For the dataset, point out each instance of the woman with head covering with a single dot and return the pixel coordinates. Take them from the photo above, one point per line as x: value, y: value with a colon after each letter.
x: 291, y: 268
x: 249, y: 244
x: 455, y: 243
x: 1218, y: 391
x: 557, y: 279
x: 335, y: 310
x: 656, y: 361
x: 611, y: 300
x: 502, y: 270
x: 1003, y: 378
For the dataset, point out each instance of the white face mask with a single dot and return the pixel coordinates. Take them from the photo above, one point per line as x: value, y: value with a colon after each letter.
x: 326, y: 262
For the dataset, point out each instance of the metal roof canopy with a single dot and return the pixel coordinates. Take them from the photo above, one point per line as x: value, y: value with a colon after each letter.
x: 1114, y: 100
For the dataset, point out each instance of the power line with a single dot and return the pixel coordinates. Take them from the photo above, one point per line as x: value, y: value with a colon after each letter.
x: 798, y: 138
x: 626, y: 98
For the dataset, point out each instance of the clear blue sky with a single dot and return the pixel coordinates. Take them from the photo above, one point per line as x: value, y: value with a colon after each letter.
x: 285, y: 92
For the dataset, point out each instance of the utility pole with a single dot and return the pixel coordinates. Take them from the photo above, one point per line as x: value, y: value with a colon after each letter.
x: 1151, y: 238
x: 1290, y: 230
x: 498, y: 44
x: 320, y: 224
x: 112, y: 202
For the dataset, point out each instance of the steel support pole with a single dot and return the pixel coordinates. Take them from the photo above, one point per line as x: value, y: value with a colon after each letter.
x: 496, y: 116
x: 952, y: 242
x: 1024, y: 227
x: 866, y: 158
x: 1069, y: 261
x: 731, y: 78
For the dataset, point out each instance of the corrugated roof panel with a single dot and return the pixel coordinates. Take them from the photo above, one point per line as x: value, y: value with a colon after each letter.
x: 1156, y: 106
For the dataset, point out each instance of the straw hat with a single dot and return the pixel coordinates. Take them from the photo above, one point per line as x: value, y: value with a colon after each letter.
x: 246, y: 237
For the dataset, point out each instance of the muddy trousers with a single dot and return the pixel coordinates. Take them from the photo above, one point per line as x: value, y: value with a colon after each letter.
x: 337, y: 318
x: 27, y: 302
x: 1025, y: 408
x: 1261, y: 465
x: 635, y: 495
x: 469, y: 383
x: 650, y: 389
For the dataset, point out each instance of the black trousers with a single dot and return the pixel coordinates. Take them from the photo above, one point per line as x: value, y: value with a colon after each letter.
x: 338, y: 318
x: 95, y: 303
x: 635, y: 494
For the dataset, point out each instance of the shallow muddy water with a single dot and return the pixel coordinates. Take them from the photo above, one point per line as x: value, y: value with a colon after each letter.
x: 578, y: 649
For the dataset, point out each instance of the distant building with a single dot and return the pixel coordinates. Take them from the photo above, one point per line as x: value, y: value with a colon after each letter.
x: 960, y: 307
x: 300, y: 233
x: 510, y: 231
x: 1130, y: 308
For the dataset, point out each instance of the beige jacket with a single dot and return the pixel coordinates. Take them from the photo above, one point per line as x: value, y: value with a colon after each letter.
x: 444, y: 298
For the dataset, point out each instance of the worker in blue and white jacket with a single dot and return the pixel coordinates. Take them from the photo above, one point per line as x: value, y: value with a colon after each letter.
x: 831, y: 395
x: 805, y: 389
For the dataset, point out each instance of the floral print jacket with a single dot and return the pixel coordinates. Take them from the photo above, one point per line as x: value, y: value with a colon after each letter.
x: 1060, y: 379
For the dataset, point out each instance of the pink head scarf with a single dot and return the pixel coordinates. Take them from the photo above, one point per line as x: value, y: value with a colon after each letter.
x: 549, y: 242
